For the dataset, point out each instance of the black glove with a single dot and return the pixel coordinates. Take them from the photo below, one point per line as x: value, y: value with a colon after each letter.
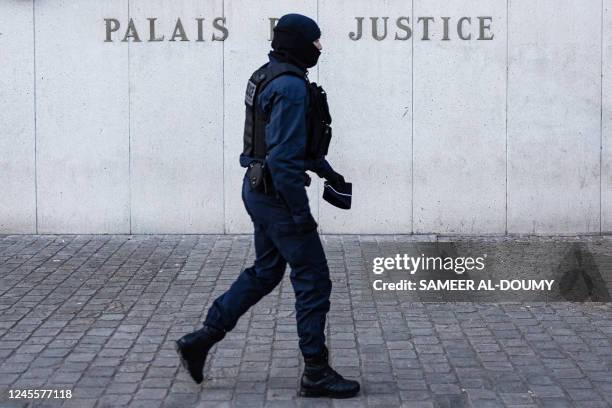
x: 335, y: 179
x: 307, y: 180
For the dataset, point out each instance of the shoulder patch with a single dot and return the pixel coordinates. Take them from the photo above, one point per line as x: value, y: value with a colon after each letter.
x: 250, y: 93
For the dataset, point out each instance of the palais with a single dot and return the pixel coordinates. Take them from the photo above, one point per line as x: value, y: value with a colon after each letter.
x: 150, y: 32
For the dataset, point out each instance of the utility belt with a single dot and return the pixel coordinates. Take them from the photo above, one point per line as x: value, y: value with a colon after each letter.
x: 260, y: 180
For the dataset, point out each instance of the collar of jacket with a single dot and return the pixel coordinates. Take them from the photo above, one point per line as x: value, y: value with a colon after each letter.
x: 274, y: 60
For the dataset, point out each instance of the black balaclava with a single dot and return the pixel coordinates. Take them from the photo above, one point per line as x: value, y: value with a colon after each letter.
x: 294, y: 35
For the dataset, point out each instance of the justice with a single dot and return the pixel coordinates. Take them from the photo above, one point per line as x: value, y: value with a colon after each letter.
x: 403, y: 32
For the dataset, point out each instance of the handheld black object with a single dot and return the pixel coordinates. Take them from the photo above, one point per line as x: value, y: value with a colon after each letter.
x: 338, y: 195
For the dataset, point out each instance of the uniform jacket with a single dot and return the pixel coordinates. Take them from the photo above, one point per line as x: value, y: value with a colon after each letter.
x: 284, y: 101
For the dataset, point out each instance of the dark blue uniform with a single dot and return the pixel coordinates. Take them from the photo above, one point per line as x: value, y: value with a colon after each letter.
x: 285, y: 231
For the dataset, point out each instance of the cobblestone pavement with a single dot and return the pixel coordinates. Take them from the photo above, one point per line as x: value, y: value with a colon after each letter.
x: 98, y: 314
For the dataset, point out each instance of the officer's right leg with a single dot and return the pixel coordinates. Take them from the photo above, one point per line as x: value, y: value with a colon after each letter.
x: 252, y: 284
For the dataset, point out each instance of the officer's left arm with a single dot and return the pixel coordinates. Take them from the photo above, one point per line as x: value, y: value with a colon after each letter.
x: 324, y: 170
x: 320, y: 166
x: 286, y: 144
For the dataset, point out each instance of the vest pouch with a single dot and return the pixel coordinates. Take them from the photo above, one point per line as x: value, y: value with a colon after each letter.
x: 319, y: 121
x: 325, y: 140
x: 319, y: 139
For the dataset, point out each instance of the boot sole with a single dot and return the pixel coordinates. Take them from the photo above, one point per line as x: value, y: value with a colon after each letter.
x: 306, y: 393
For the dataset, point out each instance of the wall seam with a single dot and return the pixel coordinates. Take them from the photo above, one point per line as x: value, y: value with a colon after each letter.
x: 412, y: 125
x: 35, y: 115
x: 601, y: 51
x: 129, y: 77
x: 507, y: 87
x: 223, y: 122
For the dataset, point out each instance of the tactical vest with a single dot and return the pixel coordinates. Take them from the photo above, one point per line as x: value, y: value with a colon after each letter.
x: 318, y: 119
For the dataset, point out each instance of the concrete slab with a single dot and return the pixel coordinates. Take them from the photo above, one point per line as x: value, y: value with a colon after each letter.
x: 176, y: 113
x: 606, y: 169
x: 554, y: 116
x: 17, y: 124
x: 368, y: 82
x: 460, y: 118
x: 82, y: 119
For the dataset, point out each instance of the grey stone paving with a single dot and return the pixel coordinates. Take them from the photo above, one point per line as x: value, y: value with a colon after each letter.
x: 98, y: 315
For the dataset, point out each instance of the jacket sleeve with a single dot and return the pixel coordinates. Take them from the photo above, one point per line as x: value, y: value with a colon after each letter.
x: 286, y: 145
x: 321, y: 167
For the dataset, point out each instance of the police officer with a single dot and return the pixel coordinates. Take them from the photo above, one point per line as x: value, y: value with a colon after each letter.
x: 275, y: 198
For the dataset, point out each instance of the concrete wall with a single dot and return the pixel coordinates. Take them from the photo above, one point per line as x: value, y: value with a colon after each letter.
x: 17, y: 117
x: 509, y: 135
x: 459, y: 153
x: 369, y: 87
x: 554, y: 127
x: 606, y: 168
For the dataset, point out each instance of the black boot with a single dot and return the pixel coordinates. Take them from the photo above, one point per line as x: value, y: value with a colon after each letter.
x: 193, y: 348
x: 320, y: 380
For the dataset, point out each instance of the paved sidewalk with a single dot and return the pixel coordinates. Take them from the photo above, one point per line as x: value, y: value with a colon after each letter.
x: 98, y: 315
